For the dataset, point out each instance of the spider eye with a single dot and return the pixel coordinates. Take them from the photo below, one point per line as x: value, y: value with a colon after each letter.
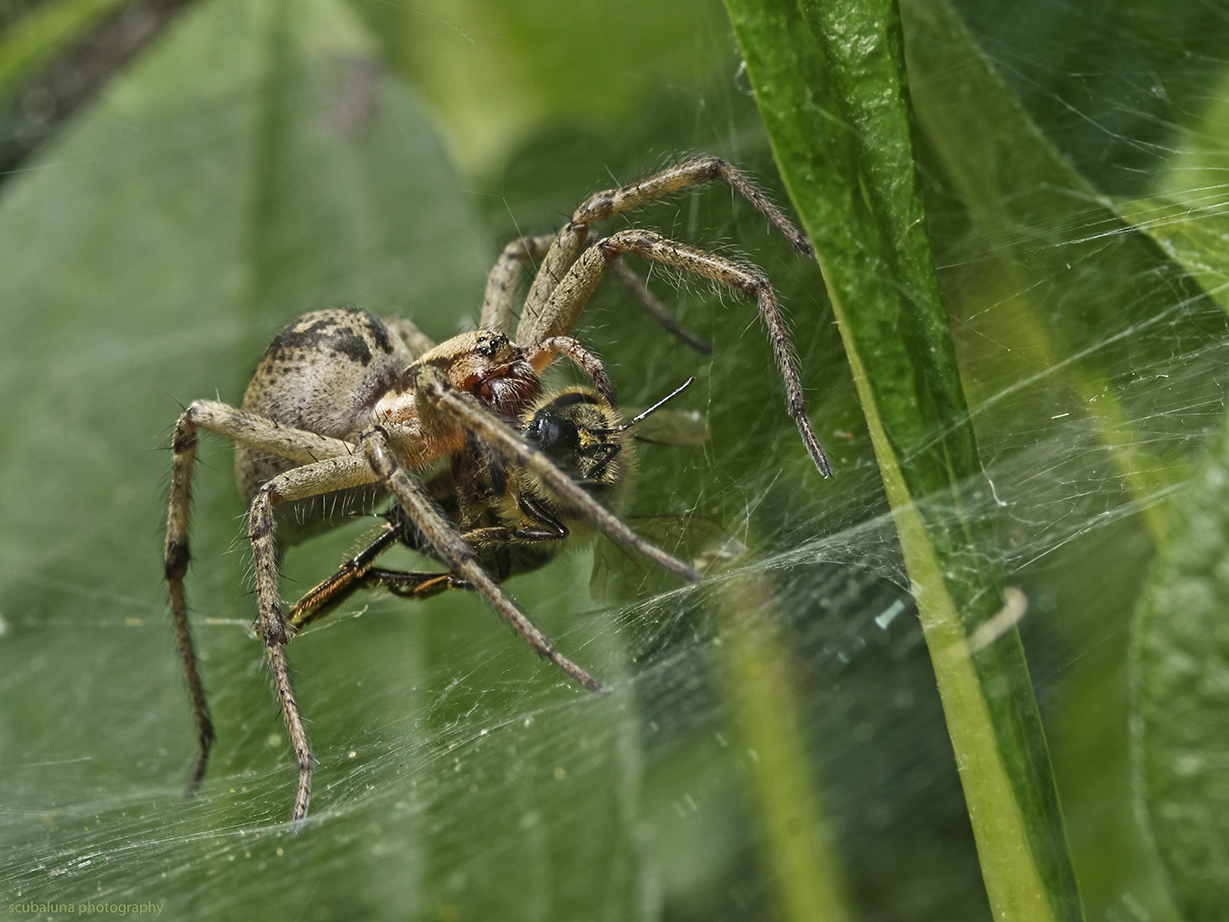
x: 489, y: 344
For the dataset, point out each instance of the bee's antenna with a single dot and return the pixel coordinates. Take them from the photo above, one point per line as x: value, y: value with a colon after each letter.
x: 641, y: 415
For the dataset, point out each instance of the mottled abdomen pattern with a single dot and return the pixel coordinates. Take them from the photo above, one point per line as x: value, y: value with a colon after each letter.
x: 323, y: 372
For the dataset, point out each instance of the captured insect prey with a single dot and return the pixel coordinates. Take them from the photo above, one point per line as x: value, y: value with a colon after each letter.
x: 360, y: 409
x: 506, y: 513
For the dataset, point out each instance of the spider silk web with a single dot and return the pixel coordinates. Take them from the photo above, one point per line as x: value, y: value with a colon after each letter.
x: 223, y: 185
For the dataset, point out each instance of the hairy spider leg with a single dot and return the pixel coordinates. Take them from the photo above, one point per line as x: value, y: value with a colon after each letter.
x: 377, y: 462
x: 582, y: 358
x: 238, y: 425
x: 458, y: 556
x: 567, y: 278
x: 582, y: 278
x: 500, y: 294
x: 340, y: 473
x: 542, y: 317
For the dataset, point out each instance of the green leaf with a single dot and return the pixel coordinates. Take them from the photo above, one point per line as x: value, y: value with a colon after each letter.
x: 1182, y: 693
x: 1181, y: 637
x: 830, y: 82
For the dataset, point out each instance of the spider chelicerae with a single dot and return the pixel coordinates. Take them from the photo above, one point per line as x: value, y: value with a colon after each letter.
x: 344, y: 404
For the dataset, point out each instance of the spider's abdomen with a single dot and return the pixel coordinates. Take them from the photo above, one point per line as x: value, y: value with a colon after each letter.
x: 323, y: 372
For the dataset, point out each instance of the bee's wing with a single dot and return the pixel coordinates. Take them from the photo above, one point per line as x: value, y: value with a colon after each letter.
x: 698, y: 540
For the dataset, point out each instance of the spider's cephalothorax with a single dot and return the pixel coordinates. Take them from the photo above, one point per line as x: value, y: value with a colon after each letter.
x: 345, y: 405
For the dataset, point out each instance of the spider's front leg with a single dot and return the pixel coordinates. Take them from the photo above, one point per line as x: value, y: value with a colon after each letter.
x: 500, y: 293
x: 299, y: 483
x: 574, y: 290
x: 249, y: 429
x: 538, y: 321
x: 458, y: 556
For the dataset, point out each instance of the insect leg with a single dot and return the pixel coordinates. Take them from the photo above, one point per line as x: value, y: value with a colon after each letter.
x: 413, y: 585
x: 323, y: 598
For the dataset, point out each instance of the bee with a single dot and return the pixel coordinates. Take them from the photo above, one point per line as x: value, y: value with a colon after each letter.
x: 515, y: 522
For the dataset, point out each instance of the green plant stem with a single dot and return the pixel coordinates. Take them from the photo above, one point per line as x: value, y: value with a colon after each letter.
x: 805, y: 877
x: 829, y: 80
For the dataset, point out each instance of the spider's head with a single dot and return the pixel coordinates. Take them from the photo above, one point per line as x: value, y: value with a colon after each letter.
x: 486, y: 365
x: 495, y: 370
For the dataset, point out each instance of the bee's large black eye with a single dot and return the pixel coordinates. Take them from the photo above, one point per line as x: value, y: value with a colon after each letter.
x: 556, y: 436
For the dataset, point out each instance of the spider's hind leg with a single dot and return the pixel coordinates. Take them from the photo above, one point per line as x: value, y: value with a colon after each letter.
x: 326, y: 476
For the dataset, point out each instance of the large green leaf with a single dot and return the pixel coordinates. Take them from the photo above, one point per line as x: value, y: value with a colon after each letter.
x: 782, y: 721
x: 1183, y: 694
x: 1182, y: 632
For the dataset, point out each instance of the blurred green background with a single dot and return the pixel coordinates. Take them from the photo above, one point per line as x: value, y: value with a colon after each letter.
x: 251, y: 161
